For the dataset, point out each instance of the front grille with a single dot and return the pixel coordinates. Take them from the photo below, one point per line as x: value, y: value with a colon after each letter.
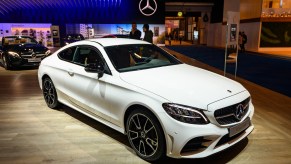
x: 28, y: 55
x: 228, y: 115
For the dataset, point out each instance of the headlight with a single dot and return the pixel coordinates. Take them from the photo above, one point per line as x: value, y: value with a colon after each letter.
x: 185, y: 114
x: 14, y: 54
x: 48, y: 52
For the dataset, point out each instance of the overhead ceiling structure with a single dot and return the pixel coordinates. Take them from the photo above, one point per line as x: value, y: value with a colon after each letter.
x: 188, y: 6
x: 8, y: 6
x: 62, y: 11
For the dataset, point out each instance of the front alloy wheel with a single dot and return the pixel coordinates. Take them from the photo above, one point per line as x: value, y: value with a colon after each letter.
x: 145, y: 135
x: 6, y: 63
x: 49, y: 93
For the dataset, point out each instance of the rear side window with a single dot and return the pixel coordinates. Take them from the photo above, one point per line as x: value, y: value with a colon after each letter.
x: 67, y: 54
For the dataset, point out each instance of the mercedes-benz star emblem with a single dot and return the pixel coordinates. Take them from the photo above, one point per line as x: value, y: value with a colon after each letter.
x: 33, y: 55
x: 239, y: 112
x: 148, y: 8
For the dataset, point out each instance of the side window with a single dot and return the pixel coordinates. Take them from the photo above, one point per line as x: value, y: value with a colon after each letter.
x: 86, y: 55
x: 67, y: 54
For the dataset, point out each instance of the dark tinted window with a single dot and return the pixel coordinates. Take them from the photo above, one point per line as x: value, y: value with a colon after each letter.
x: 141, y: 56
x: 85, y: 55
x: 67, y: 54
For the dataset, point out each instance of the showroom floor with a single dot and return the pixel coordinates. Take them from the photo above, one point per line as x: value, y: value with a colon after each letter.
x: 30, y: 132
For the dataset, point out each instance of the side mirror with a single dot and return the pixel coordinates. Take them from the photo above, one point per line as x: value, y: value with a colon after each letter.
x: 95, y: 68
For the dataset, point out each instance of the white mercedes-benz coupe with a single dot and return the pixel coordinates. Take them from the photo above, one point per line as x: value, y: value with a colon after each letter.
x: 165, y: 107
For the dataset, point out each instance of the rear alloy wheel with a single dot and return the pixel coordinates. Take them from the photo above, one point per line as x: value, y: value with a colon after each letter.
x: 6, y: 63
x: 49, y: 93
x: 145, y: 135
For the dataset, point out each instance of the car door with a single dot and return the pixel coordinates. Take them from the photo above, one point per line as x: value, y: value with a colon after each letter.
x: 87, y: 92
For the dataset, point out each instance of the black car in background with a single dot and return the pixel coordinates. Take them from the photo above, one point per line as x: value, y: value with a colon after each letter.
x: 70, y: 38
x: 16, y: 51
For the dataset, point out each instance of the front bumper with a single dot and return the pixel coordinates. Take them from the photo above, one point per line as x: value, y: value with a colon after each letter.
x: 198, y: 141
x: 19, y: 61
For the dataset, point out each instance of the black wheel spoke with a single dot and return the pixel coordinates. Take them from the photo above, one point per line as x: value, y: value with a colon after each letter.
x: 133, y: 132
x: 141, y: 147
x: 136, y: 125
x: 46, y: 97
x: 145, y: 124
x: 138, y: 122
x: 151, y: 143
x: 52, y: 100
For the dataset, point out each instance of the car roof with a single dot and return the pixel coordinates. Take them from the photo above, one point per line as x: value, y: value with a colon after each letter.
x: 105, y: 42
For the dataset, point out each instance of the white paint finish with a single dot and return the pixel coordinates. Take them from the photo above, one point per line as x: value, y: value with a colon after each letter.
x: 197, y: 87
x: 108, y: 97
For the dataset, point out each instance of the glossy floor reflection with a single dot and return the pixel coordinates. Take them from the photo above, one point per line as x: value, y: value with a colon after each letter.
x: 30, y: 132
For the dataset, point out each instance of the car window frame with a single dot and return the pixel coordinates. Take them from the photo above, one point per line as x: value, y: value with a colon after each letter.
x: 106, y: 67
x: 70, y: 61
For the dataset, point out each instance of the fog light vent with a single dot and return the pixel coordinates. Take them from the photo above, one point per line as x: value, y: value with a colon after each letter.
x: 195, y: 144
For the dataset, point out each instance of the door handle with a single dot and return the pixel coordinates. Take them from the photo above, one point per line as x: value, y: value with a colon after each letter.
x: 71, y: 73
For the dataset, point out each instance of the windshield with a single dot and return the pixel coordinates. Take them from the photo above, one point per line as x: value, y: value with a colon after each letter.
x: 141, y: 56
x: 13, y: 40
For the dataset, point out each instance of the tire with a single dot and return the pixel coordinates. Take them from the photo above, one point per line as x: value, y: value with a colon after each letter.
x: 49, y: 93
x: 6, y: 64
x: 145, y: 135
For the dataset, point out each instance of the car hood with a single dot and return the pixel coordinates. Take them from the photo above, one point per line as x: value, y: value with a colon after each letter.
x: 26, y: 48
x: 184, y: 84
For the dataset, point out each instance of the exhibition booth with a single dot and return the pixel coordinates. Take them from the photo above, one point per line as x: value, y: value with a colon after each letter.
x: 92, y: 21
x: 40, y: 32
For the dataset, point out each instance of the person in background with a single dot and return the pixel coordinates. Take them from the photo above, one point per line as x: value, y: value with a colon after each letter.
x: 244, y: 41
x: 134, y: 33
x: 240, y: 42
x: 169, y: 36
x: 180, y: 38
x: 148, y: 34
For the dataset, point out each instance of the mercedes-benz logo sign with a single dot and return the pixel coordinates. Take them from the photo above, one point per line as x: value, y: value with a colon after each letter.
x: 239, y: 112
x: 33, y: 55
x: 148, y: 8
